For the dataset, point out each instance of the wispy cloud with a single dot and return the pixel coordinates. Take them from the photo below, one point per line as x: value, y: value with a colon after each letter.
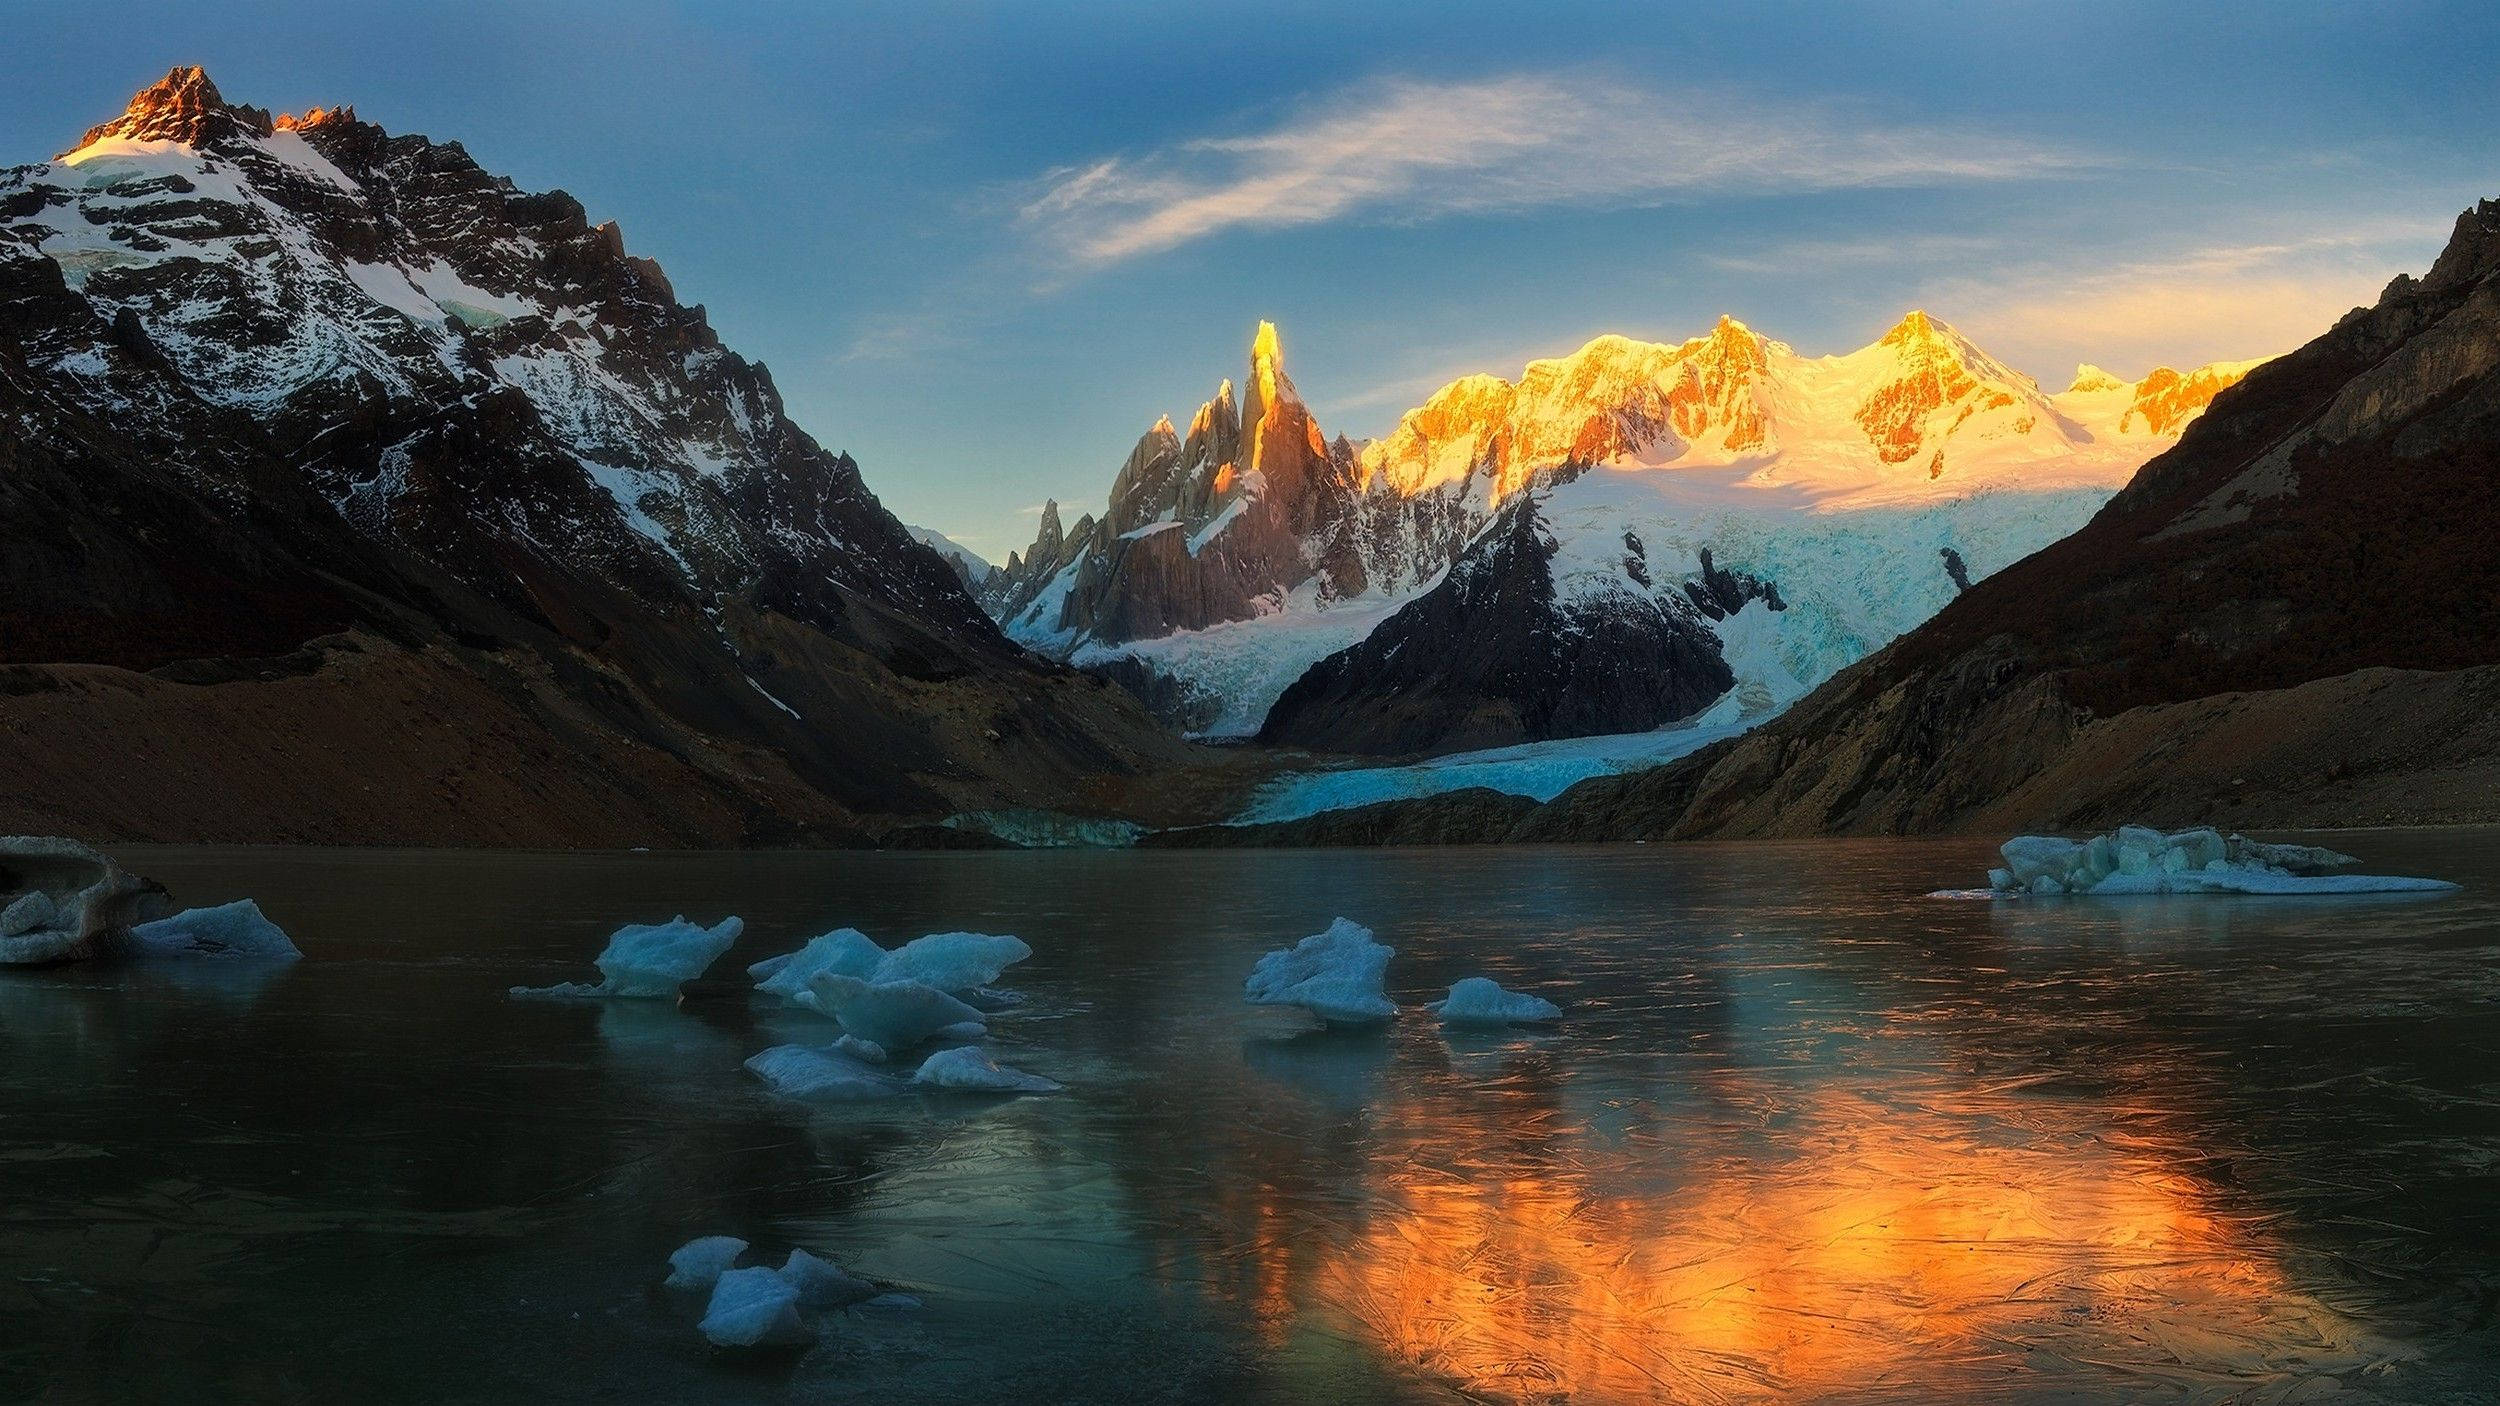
x: 1403, y: 150
x: 2199, y: 303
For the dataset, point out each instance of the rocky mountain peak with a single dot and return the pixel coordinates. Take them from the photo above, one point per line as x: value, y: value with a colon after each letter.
x: 184, y: 106
x: 2473, y: 251
x: 2089, y: 378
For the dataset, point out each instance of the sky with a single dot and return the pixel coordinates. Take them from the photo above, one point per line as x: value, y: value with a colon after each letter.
x: 983, y: 246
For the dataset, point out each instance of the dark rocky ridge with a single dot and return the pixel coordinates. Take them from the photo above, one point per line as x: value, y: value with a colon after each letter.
x: 1494, y: 655
x: 254, y: 475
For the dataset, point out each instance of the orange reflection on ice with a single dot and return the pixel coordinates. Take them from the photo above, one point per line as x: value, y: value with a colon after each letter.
x: 1863, y: 1248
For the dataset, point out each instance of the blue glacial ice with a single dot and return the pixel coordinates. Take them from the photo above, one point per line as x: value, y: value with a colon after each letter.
x: 966, y: 1069
x: 754, y: 1308
x: 649, y: 960
x: 236, y: 929
x: 956, y: 962
x: 822, y: 1076
x: 823, y: 1284
x: 1480, y: 1000
x: 697, y: 1263
x: 894, y: 1015
x: 2137, y: 859
x: 1336, y: 975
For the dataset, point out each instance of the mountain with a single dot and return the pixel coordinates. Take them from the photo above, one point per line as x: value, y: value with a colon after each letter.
x: 973, y: 568
x: 390, y: 503
x: 2290, y: 618
x: 1530, y: 559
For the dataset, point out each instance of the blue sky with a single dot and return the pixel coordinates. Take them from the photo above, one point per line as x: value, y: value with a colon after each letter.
x: 982, y: 247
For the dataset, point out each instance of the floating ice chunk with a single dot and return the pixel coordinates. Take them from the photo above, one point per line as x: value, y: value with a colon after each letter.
x: 236, y: 929
x: 649, y: 960
x: 1335, y: 975
x: 845, y: 950
x: 2136, y: 859
x: 1480, y: 1000
x: 895, y: 1014
x: 950, y: 961
x: 754, y: 1308
x: 795, y: 1071
x: 31, y: 910
x: 865, y: 1051
x: 698, y: 1263
x: 969, y: 1070
x: 823, y: 1284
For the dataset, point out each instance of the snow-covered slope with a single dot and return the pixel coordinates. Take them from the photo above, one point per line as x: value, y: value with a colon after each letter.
x: 1866, y: 487
x: 974, y: 568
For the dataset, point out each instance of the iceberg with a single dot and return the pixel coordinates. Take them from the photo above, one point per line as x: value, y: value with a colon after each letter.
x: 795, y: 1071
x: 2137, y: 859
x: 754, y: 1308
x: 236, y: 929
x: 865, y: 1051
x: 959, y: 963
x: 1480, y: 1000
x: 61, y: 901
x: 823, y: 1284
x: 951, y: 961
x: 649, y: 960
x: 847, y: 951
x: 968, y: 1070
x: 698, y: 1263
x: 895, y: 1015
x: 1335, y: 975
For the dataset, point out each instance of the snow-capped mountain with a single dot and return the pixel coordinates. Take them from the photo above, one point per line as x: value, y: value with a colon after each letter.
x: 974, y: 568
x: 275, y: 383
x: 1859, y: 491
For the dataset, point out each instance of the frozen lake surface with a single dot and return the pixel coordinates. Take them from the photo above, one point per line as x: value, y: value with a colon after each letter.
x: 1804, y: 1134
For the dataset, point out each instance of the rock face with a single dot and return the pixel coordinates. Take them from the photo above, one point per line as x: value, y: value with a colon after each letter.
x: 313, y: 436
x: 2257, y: 629
x: 1498, y: 651
x: 61, y: 901
x: 1253, y: 504
x: 1253, y: 552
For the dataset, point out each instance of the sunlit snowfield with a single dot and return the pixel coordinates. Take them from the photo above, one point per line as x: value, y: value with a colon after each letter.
x: 1806, y: 1134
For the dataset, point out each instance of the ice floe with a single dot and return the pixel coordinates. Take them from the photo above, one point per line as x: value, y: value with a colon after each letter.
x: 754, y: 1308
x: 2137, y: 859
x: 795, y: 1071
x: 897, y: 1015
x: 823, y: 1284
x: 968, y: 1070
x: 1336, y: 975
x: 959, y: 963
x: 846, y: 951
x: 1480, y: 1000
x: 697, y: 1263
x: 237, y: 929
x: 649, y: 960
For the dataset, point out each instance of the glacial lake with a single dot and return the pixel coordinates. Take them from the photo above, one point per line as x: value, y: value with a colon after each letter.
x: 1806, y: 1134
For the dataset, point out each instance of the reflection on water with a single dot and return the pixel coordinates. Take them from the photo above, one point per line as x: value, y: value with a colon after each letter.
x: 1805, y: 1134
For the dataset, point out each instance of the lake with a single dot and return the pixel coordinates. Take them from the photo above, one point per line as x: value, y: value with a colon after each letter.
x: 1805, y: 1134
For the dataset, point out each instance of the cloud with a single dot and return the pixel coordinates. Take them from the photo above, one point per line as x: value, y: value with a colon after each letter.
x: 2196, y: 304
x: 1404, y: 151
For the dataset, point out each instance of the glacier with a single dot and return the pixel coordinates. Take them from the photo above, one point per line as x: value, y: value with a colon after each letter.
x: 2140, y: 860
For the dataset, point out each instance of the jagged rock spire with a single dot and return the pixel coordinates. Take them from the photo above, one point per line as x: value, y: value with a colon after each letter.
x: 183, y: 106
